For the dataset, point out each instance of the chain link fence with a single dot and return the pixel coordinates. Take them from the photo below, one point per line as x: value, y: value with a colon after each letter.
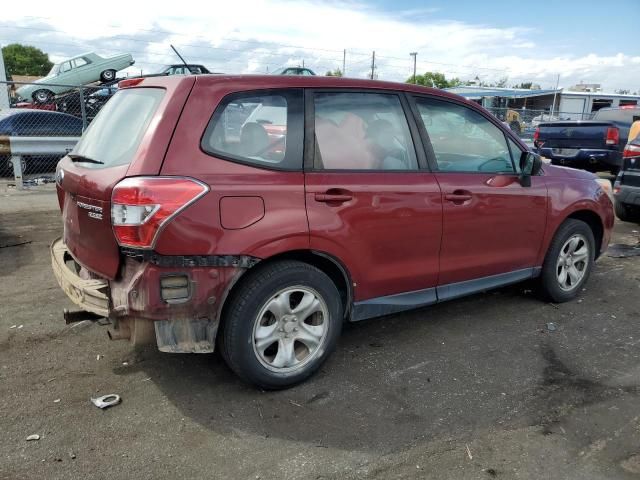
x: 47, y: 110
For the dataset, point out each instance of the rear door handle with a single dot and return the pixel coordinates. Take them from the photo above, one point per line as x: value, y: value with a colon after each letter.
x: 332, y: 197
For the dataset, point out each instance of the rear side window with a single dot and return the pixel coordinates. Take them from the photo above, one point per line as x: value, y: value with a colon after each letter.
x: 362, y: 131
x: 264, y: 129
x: 115, y: 134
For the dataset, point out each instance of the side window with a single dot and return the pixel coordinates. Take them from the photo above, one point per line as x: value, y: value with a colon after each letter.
x: 262, y: 129
x: 65, y: 67
x: 462, y: 139
x: 79, y: 62
x: 362, y: 131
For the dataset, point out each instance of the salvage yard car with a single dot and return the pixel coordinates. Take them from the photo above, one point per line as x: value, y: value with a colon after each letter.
x: 593, y: 145
x: 80, y: 70
x: 371, y: 198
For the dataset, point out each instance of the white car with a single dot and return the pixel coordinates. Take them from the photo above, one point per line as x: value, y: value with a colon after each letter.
x: 80, y: 70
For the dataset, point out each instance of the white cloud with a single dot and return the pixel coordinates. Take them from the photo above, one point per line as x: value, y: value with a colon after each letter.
x: 256, y: 35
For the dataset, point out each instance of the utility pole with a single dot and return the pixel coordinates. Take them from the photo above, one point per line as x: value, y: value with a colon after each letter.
x: 4, y: 87
x: 553, y: 106
x: 415, y: 56
x: 303, y: 63
x: 344, y: 62
x: 373, y: 64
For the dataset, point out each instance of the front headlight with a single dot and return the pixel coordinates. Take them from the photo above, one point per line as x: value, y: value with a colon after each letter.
x: 606, y: 186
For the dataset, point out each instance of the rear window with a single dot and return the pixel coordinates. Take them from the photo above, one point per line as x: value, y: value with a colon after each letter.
x: 263, y: 129
x: 115, y: 134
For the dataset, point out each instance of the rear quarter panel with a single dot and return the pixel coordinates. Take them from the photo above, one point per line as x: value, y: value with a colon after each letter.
x: 198, y: 230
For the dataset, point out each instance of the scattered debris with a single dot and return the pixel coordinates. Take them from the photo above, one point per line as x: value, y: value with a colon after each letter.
x: 57, y: 400
x: 15, y: 244
x: 614, y: 317
x: 619, y: 250
x: 20, y: 326
x: 72, y: 455
x: 33, y: 437
x: 106, y: 401
x: 294, y: 403
x: 99, y: 356
x: 469, y: 452
x: 12, y: 327
x: 126, y: 364
x: 551, y: 327
x: 491, y: 472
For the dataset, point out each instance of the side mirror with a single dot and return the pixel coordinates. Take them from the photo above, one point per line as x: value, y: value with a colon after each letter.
x: 530, y: 165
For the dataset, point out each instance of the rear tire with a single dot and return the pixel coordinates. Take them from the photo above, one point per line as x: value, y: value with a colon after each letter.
x: 42, y: 96
x: 568, y: 262
x: 625, y: 213
x: 108, y: 76
x: 281, y: 324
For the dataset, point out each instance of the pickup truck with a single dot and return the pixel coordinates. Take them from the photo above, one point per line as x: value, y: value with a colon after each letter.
x: 593, y: 145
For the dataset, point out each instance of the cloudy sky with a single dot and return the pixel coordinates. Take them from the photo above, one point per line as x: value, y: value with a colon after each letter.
x: 590, y: 41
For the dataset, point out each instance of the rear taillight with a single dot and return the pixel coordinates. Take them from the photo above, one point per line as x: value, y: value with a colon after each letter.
x: 613, y: 136
x: 140, y: 206
x: 631, y: 151
x: 129, y: 82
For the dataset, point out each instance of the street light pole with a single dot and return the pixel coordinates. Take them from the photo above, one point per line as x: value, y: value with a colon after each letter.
x: 415, y: 56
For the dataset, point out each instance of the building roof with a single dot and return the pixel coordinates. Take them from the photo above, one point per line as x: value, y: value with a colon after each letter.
x: 473, y: 92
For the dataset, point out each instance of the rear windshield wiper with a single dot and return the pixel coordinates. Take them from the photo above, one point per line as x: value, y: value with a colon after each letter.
x: 81, y: 158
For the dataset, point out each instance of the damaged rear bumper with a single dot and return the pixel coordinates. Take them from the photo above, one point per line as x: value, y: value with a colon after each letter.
x: 90, y: 294
x: 144, y: 306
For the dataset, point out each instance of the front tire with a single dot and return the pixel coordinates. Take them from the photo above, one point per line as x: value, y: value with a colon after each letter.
x: 108, y: 76
x: 281, y: 324
x: 568, y: 262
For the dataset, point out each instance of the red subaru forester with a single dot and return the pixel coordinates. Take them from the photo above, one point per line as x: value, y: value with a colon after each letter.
x: 259, y: 213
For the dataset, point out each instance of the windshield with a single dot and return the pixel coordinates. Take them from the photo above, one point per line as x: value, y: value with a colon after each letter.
x: 115, y: 134
x: 54, y: 70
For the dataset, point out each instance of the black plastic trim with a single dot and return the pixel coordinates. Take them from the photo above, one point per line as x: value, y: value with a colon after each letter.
x: 236, y: 261
x: 380, y: 306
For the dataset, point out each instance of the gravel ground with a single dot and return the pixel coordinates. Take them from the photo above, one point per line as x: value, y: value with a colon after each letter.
x: 470, y: 389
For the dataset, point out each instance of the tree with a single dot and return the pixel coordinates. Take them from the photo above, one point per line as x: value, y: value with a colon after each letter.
x: 434, y: 79
x: 25, y: 60
x: 336, y: 73
x: 525, y: 85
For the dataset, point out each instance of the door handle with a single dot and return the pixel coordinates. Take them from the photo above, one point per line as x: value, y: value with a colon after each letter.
x: 459, y: 196
x: 333, y: 197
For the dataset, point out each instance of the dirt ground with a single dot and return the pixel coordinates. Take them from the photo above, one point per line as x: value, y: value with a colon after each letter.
x: 471, y: 389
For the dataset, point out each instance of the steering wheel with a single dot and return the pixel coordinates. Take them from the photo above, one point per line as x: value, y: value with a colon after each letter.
x: 500, y: 160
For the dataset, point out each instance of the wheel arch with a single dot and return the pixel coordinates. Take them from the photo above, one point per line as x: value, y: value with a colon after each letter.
x: 325, y: 262
x: 595, y: 223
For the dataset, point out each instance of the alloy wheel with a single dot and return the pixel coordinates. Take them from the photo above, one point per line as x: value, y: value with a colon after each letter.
x: 291, y: 329
x: 572, y: 262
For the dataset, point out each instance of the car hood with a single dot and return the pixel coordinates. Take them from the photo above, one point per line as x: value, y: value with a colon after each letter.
x: 557, y: 171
